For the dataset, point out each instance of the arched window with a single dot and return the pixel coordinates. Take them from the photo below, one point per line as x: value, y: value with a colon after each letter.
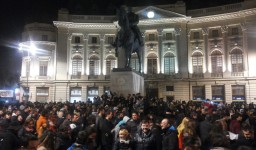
x: 216, y: 59
x: 94, y: 65
x: 169, y: 63
x: 152, y: 64
x: 77, y: 65
x: 237, y: 60
x: 197, y: 62
x: 135, y: 62
x: 110, y: 64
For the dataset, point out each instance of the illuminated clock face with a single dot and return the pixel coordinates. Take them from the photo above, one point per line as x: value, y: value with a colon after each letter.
x: 151, y: 14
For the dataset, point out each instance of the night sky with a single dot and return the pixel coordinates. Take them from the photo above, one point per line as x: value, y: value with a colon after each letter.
x: 14, y: 14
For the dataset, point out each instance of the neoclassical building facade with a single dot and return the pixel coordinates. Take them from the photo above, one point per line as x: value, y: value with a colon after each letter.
x: 207, y: 53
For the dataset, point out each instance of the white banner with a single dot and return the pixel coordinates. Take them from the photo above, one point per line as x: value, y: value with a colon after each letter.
x: 6, y: 93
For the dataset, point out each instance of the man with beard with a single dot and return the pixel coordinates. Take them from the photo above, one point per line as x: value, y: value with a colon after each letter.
x: 169, y: 136
x: 144, y: 138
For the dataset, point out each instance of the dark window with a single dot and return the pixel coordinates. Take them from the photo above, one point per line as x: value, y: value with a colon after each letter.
x: 110, y: 40
x: 218, y: 92
x: 234, y: 31
x: 168, y: 36
x: 238, y: 92
x: 94, y: 40
x: 151, y: 37
x: 198, y: 92
x: 215, y: 33
x: 196, y: 35
x: 77, y: 39
x: 44, y: 37
x: 169, y: 88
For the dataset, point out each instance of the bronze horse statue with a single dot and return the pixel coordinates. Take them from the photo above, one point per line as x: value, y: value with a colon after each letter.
x: 129, y: 36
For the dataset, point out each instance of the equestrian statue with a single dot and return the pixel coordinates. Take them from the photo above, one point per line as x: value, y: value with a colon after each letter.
x: 129, y: 36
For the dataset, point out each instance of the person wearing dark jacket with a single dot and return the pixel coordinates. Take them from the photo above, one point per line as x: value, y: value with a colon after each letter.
x: 205, y: 127
x: 245, y: 138
x: 8, y: 141
x: 144, y: 138
x: 169, y: 136
x: 133, y: 124
x: 105, y: 128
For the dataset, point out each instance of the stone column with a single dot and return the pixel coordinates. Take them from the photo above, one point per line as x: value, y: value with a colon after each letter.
x: 227, y: 61
x: 245, y: 49
x: 205, y: 34
x: 61, y: 54
x: 190, y: 67
x: 179, y: 55
x: 85, y: 53
x: 102, y: 53
x: 160, y: 40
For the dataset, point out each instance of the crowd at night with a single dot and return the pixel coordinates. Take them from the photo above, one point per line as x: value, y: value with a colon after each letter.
x: 132, y: 122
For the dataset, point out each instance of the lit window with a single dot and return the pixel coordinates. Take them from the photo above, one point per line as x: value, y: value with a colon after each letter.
x: 110, y: 64
x: 237, y: 60
x: 152, y: 64
x: 43, y: 68
x: 216, y: 59
x: 94, y: 65
x: 197, y: 62
x: 169, y: 63
x: 77, y: 65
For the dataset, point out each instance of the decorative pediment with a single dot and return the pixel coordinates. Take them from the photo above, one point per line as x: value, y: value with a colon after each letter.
x: 158, y: 13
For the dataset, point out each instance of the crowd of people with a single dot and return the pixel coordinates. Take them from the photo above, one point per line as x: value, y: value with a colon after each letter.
x: 127, y: 123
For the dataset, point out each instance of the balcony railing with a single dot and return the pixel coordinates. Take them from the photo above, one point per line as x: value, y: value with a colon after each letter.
x: 217, y: 75
x: 237, y: 74
x: 75, y: 76
x: 93, y: 77
x: 198, y: 75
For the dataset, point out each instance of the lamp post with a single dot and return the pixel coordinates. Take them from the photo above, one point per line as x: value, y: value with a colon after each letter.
x: 29, y: 48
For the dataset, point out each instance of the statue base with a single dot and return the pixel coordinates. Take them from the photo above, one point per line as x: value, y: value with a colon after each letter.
x: 124, y: 81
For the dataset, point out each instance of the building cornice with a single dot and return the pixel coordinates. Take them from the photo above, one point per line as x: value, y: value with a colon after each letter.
x: 161, y: 21
x: 225, y: 16
x: 164, y: 21
x: 39, y: 42
x: 61, y: 24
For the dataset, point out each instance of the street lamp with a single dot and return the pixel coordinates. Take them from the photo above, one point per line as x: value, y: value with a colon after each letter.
x: 31, y: 48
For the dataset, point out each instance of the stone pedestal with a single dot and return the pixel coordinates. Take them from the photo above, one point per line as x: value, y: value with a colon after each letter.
x: 121, y: 58
x: 125, y: 81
